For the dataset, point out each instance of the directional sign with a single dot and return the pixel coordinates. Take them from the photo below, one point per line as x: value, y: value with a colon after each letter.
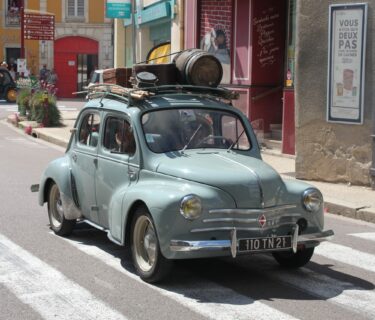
x: 39, y: 26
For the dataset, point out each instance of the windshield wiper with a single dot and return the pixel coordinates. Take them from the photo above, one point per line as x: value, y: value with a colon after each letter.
x: 191, y: 138
x: 235, y: 142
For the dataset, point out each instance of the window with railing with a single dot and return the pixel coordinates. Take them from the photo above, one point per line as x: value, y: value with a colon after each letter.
x: 75, y: 9
x: 12, y: 13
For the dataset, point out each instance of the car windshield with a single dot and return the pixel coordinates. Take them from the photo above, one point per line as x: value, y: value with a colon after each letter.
x: 182, y: 129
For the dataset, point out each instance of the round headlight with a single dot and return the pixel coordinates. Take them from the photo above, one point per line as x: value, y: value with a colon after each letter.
x: 312, y: 200
x: 191, y: 207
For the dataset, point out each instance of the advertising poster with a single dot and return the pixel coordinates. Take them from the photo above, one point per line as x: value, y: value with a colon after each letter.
x: 347, y: 46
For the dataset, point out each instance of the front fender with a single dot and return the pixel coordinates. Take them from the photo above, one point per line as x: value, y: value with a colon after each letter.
x: 58, y: 171
x: 162, y: 195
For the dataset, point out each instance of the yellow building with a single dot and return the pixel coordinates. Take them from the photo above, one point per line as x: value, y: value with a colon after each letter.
x: 158, y: 22
x: 83, y: 40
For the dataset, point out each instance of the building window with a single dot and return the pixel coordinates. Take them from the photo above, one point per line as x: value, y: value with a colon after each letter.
x: 12, y: 14
x: 76, y: 9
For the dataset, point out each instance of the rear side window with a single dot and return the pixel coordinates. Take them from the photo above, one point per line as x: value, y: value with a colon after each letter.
x: 119, y: 136
x: 89, y: 130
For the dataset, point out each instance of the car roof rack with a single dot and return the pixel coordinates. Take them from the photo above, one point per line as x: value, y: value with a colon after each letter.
x: 208, y: 91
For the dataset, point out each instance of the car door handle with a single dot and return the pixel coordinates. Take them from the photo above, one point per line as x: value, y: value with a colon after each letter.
x: 74, y: 157
x: 95, y: 162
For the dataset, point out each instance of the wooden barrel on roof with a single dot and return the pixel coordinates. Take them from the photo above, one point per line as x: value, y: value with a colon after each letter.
x: 199, y: 68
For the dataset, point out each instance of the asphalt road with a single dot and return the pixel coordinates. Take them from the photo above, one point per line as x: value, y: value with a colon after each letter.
x: 43, y: 276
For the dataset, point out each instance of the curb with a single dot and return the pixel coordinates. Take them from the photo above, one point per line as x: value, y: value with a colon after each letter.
x: 337, y: 208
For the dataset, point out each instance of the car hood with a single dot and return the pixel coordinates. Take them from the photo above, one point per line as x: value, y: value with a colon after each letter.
x: 251, y: 182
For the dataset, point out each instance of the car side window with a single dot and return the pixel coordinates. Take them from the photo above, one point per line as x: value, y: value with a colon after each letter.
x: 119, y: 136
x: 89, y: 130
x: 234, y: 130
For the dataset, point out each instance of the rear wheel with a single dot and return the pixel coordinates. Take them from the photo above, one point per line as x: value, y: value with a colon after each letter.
x: 11, y: 95
x: 58, y: 223
x: 294, y: 260
x: 148, y: 260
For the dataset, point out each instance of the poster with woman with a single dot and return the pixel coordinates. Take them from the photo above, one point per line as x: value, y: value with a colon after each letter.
x: 215, y: 41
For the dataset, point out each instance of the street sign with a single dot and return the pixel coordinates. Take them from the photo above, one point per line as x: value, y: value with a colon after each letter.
x: 119, y: 9
x: 39, y: 26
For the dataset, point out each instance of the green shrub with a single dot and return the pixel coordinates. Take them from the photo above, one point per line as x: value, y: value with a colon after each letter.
x: 45, y: 113
x: 23, y: 101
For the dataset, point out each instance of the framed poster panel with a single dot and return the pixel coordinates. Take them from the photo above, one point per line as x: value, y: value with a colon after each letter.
x: 346, y: 62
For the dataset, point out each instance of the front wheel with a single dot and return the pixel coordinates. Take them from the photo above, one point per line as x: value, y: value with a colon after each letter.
x: 58, y: 223
x: 148, y: 260
x: 294, y: 260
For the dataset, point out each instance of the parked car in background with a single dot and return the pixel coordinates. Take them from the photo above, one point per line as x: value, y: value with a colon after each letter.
x: 8, y: 88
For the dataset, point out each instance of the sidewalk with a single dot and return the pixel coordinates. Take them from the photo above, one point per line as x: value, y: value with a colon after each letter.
x: 350, y: 201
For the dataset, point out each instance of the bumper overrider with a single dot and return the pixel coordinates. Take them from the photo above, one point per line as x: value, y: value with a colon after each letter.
x: 232, y: 244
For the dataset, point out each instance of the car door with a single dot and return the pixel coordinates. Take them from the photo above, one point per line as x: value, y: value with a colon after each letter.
x: 84, y: 162
x: 114, y: 175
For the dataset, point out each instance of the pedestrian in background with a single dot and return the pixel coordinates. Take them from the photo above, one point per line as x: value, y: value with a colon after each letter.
x: 43, y: 74
x: 52, y: 77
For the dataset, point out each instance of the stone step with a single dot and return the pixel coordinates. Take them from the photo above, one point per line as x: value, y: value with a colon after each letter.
x: 272, y: 144
x: 276, y: 134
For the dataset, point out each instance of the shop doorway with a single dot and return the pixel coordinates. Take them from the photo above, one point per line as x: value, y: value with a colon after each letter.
x: 86, y: 64
x: 75, y: 58
x: 11, y: 56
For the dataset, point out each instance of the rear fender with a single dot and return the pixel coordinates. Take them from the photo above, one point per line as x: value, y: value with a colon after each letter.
x: 59, y: 172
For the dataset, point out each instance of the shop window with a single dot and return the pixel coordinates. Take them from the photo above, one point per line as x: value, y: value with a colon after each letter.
x: 12, y: 14
x: 215, y: 33
x: 75, y: 9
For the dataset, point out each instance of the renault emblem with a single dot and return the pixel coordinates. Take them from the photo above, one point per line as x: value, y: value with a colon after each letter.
x: 262, y: 220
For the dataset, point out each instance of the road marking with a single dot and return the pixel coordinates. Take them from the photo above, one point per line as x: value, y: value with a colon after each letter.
x: 47, y: 290
x: 364, y: 235
x: 342, y: 293
x: 232, y: 305
x: 346, y: 255
x: 26, y: 142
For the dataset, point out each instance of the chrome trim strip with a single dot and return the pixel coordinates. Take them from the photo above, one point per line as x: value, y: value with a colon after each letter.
x: 253, y: 211
x: 292, y: 224
x: 221, y: 245
x: 238, y: 220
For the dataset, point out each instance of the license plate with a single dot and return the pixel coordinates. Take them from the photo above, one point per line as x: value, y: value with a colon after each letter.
x: 261, y: 244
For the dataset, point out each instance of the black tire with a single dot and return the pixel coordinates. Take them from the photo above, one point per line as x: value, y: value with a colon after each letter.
x: 58, y: 223
x: 292, y: 260
x: 148, y: 260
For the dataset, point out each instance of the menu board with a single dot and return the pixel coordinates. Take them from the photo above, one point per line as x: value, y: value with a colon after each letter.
x: 268, y: 42
x: 347, y: 46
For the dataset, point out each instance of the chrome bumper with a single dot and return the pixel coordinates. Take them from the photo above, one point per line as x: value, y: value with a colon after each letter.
x: 232, y: 244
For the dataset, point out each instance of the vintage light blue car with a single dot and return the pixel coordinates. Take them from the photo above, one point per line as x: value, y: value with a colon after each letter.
x: 177, y: 174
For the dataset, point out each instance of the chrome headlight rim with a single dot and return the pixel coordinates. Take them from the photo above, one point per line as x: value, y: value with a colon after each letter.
x: 195, y: 201
x: 312, y: 200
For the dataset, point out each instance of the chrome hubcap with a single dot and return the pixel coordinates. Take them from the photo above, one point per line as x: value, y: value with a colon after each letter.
x: 145, y: 243
x: 57, y: 212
